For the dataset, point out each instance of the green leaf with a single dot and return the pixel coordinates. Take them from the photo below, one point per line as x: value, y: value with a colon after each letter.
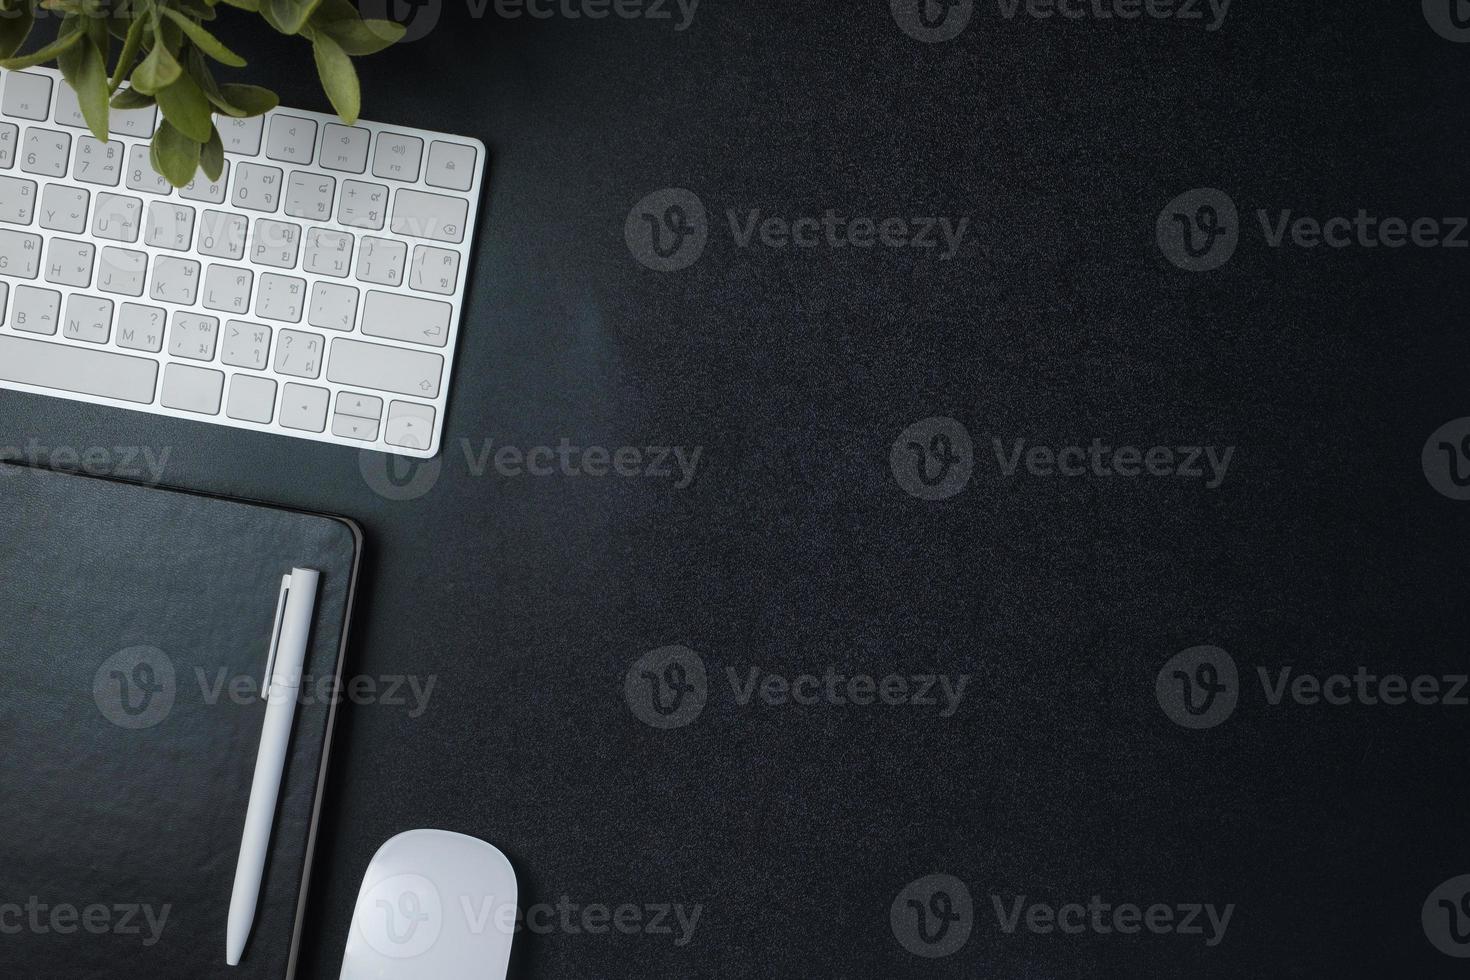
x: 131, y: 46
x: 252, y: 100
x: 339, y: 78
x: 198, y: 9
x: 251, y: 5
x: 288, y: 16
x: 15, y: 27
x: 198, y: 69
x: 131, y: 98
x: 174, y: 155
x: 183, y: 104
x: 360, y: 37
x: 204, y: 40
x: 158, y: 70
x: 42, y: 54
x: 82, y: 66
x: 212, y: 156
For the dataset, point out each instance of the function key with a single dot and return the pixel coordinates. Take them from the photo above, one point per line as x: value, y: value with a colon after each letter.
x: 345, y: 148
x: 292, y: 139
x: 398, y: 156
x: 451, y: 165
x: 27, y: 95
x: 132, y: 122
x: 68, y: 109
x: 240, y: 135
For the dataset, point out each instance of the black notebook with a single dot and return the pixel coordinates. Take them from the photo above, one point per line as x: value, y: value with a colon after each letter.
x: 137, y: 624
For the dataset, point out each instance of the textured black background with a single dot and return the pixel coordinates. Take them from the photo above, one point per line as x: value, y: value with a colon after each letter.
x: 1059, y: 322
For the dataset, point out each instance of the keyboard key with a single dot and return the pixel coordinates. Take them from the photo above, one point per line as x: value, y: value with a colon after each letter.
x: 410, y: 426
x: 451, y: 165
x: 333, y: 306
x: 240, y: 135
x: 435, y: 270
x: 9, y: 135
x: 304, y: 407
x: 117, y: 217
x: 227, y: 288
x: 120, y: 270
x: 363, y: 205
x: 345, y: 148
x: 141, y: 175
x: 80, y: 370
x: 140, y: 327
x: 421, y: 215
x: 45, y: 152
x: 396, y: 369
x: 310, y: 196
x: 69, y: 262
x: 257, y: 187
x: 201, y: 188
x: 194, y: 336
x: 252, y: 399
x: 394, y: 316
x: 380, y: 261
x: 18, y: 200
x: 97, y: 162
x: 222, y: 235
x: 4, y: 295
x: 170, y: 226
x: 63, y: 208
x: 352, y: 427
x: 20, y: 254
x: 192, y: 389
x: 88, y: 318
x: 292, y: 139
x: 132, y: 122
x: 36, y: 310
x: 27, y: 95
x: 175, y: 280
x: 68, y: 109
x: 246, y: 344
x: 276, y: 243
x: 361, y: 406
x: 280, y: 297
x: 299, y: 354
x: 328, y: 253
x: 357, y: 417
x: 397, y: 157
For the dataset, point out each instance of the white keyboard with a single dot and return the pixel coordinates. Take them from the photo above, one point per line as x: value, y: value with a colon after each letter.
x: 315, y: 290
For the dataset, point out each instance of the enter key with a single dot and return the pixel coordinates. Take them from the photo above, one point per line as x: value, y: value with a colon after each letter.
x: 407, y: 318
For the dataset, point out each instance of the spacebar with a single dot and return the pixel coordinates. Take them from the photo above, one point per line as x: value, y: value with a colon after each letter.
x: 77, y: 370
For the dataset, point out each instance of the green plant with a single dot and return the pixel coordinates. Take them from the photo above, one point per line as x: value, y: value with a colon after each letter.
x: 164, y: 56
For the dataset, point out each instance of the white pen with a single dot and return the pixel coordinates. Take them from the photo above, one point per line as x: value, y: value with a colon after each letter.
x: 289, y: 638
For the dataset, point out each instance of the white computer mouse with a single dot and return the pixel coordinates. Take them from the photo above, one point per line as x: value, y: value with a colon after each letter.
x: 433, y: 906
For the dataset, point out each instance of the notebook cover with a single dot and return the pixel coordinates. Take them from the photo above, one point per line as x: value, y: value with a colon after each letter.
x: 137, y: 623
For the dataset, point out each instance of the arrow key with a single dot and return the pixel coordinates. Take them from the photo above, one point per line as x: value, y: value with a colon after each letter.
x: 410, y: 426
x: 304, y: 407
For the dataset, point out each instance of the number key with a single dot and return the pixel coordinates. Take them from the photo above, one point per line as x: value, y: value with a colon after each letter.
x: 97, y: 162
x: 45, y: 152
x: 201, y: 188
x: 257, y: 187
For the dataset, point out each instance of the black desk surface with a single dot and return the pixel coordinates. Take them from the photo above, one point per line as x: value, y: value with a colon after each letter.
x: 1059, y: 777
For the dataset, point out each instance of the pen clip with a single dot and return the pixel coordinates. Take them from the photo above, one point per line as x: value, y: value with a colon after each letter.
x: 270, y: 663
